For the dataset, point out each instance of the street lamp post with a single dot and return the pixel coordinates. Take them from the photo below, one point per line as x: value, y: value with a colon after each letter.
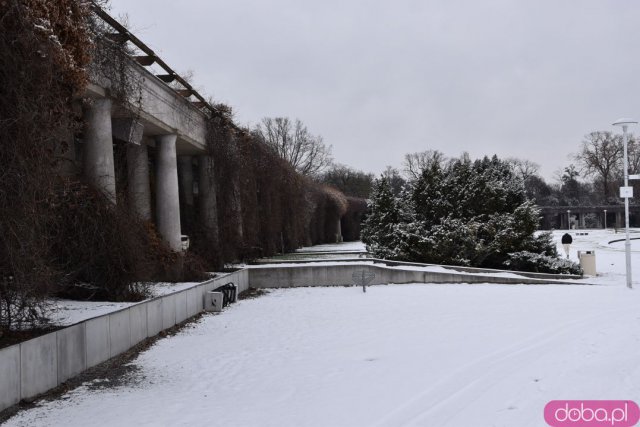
x: 569, y: 219
x: 626, y: 193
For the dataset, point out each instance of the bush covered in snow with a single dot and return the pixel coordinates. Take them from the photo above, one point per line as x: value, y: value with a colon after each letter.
x: 529, y: 261
x: 463, y: 212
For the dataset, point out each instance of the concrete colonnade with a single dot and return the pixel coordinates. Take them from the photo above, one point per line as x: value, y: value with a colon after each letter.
x: 99, y: 168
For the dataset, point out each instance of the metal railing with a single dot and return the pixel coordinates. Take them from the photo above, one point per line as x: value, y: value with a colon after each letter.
x: 229, y: 293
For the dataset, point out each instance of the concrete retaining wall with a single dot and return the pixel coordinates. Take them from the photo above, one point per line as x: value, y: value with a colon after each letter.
x: 341, y: 275
x: 38, y: 365
x: 409, y: 265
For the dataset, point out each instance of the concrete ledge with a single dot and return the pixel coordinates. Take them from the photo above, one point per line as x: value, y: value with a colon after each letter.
x: 97, y: 340
x: 168, y: 311
x: 119, y: 332
x: 154, y: 317
x: 138, y: 322
x: 194, y: 301
x: 38, y: 365
x: 180, y: 299
x: 243, y: 280
x: 72, y: 356
x: 340, y: 275
x: 10, y: 374
x: 453, y: 268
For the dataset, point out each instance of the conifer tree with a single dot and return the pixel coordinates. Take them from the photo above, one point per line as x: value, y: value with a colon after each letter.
x: 473, y: 213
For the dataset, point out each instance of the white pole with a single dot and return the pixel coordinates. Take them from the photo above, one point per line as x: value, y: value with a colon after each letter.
x: 627, y: 244
x: 605, y: 219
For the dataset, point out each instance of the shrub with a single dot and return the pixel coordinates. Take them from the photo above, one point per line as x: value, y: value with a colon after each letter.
x: 44, y: 48
x: 464, y: 213
x: 540, y: 263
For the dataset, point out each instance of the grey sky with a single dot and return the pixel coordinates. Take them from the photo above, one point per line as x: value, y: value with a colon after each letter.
x: 523, y: 78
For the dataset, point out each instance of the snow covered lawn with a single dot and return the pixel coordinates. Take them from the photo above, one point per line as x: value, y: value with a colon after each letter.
x: 399, y: 355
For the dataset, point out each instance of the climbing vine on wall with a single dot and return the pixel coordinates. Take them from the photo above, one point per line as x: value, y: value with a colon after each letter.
x: 264, y: 206
x: 57, y: 233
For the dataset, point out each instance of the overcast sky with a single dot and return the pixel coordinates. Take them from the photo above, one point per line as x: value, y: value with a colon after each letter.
x: 379, y: 79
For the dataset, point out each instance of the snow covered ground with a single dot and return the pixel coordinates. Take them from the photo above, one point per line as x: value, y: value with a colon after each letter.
x: 400, y: 355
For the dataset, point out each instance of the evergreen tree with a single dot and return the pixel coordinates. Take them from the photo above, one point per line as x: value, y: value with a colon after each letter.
x: 378, y: 228
x: 472, y: 213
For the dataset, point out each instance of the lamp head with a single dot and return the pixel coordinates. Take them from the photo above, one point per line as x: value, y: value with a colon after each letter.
x: 625, y: 122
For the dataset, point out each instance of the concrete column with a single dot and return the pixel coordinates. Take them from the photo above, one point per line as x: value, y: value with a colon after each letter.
x: 185, y: 181
x: 98, y: 151
x: 581, y: 220
x: 619, y: 220
x: 138, y: 187
x: 207, y: 205
x: 167, y: 194
x: 339, y: 232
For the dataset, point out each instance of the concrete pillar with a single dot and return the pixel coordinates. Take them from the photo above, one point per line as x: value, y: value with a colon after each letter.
x: 581, y: 220
x: 98, y: 149
x: 207, y: 205
x: 167, y: 194
x: 339, y: 232
x: 138, y: 187
x: 619, y: 220
x: 185, y: 181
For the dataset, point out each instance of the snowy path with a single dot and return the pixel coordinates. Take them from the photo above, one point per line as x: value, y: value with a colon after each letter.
x: 445, y: 355
x: 401, y: 355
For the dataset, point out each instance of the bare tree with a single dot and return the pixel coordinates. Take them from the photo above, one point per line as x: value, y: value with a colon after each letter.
x: 351, y: 182
x: 293, y: 142
x: 634, y: 156
x: 395, y: 180
x: 600, y: 156
x: 524, y: 168
x: 415, y: 163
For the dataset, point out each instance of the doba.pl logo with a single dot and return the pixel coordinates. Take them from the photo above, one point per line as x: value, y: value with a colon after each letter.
x: 591, y: 413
